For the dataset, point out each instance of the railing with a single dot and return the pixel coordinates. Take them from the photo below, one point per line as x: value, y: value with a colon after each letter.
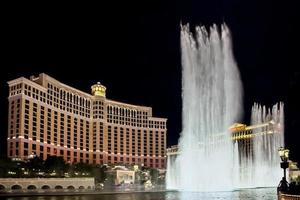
x: 48, y: 179
x: 288, y: 197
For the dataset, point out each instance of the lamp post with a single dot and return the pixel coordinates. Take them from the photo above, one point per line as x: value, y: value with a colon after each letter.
x: 284, y: 155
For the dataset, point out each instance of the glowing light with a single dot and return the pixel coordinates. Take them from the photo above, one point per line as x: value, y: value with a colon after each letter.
x: 98, y: 90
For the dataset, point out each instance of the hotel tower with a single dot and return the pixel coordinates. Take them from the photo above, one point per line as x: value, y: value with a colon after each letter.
x: 47, y: 117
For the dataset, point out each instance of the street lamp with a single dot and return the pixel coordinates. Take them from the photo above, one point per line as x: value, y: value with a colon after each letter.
x: 284, y: 155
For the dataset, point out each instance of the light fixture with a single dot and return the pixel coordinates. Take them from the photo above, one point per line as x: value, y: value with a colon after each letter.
x: 286, y: 154
x: 281, y: 153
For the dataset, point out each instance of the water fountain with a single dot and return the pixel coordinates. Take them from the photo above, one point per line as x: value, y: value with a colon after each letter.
x: 212, y: 96
x: 212, y: 101
x: 261, y: 164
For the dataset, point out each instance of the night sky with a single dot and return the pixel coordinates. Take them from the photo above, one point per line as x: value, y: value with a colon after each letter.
x: 134, y: 50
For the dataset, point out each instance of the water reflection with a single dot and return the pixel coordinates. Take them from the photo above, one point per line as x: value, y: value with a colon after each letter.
x: 247, y: 194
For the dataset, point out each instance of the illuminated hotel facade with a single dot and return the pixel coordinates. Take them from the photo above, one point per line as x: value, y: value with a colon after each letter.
x: 47, y: 117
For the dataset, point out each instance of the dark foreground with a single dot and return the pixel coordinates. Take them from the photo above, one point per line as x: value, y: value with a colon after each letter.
x: 247, y: 194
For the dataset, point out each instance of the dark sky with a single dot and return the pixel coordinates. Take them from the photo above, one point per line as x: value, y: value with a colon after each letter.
x: 134, y: 50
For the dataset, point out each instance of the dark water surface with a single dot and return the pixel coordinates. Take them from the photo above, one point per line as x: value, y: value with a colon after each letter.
x: 247, y: 194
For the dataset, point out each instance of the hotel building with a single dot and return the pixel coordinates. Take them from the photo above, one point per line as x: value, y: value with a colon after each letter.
x: 47, y: 117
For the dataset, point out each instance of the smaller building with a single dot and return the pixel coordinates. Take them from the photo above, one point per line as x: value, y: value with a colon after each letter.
x: 122, y: 175
x: 294, y: 171
x: 173, y: 150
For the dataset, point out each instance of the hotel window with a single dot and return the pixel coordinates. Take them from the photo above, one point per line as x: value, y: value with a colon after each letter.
x: 33, y: 146
x: 109, y: 138
x: 150, y: 144
x: 75, y: 132
x: 101, y: 136
x: 49, y: 126
x: 34, y: 120
x: 25, y: 149
x: 138, y: 139
x: 87, y: 135
x: 115, y: 142
x: 62, y: 129
x: 68, y: 131
x: 121, y: 142
x: 133, y: 141
x: 127, y: 141
x: 26, y: 125
x: 145, y: 142
x: 42, y: 116
x: 81, y: 135
x: 95, y: 136
x: 17, y: 121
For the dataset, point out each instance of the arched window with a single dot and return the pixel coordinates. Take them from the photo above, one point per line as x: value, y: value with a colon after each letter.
x: 16, y: 187
x: 70, y: 187
x: 58, y: 187
x: 31, y: 187
x: 45, y: 187
x: 2, y: 187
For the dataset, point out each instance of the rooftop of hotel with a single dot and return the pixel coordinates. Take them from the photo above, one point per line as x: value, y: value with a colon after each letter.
x: 40, y: 83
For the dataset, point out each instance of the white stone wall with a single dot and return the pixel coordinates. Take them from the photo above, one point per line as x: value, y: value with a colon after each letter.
x: 77, y: 183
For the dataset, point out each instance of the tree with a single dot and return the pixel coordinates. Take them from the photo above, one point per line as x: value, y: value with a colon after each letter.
x: 9, y: 168
x: 154, y: 173
x: 5, y: 164
x: 57, y: 165
x: 99, y: 173
x: 35, y: 165
x: 83, y: 169
x: 109, y: 180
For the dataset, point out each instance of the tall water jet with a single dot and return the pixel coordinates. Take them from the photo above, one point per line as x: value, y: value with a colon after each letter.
x: 268, y: 139
x: 259, y: 160
x: 212, y: 99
